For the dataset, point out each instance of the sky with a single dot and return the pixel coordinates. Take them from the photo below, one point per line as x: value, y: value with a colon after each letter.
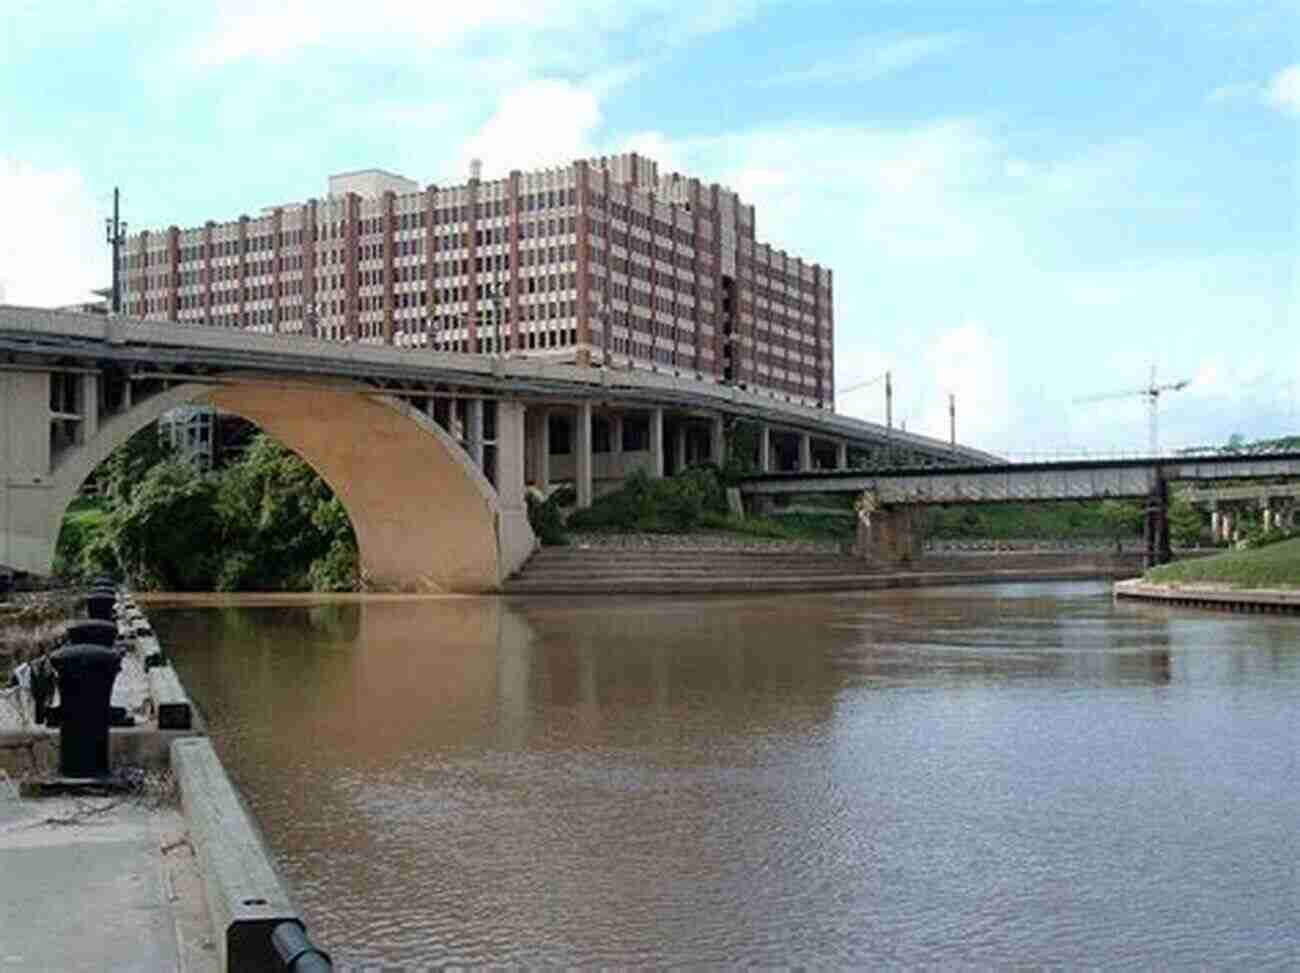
x: 1024, y: 205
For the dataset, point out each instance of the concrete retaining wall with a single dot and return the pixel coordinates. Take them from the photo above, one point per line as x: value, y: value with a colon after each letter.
x: 246, y: 898
x: 1215, y: 597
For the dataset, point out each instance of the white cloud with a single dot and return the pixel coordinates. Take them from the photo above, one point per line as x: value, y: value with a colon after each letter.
x: 968, y: 363
x: 873, y: 58
x: 541, y: 123
x: 1283, y: 91
x: 52, y: 248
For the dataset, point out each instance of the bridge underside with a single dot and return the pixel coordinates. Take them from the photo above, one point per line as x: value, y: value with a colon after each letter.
x: 423, y: 520
x: 426, y: 518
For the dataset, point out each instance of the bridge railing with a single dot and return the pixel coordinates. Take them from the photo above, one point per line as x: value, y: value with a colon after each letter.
x: 1175, y: 454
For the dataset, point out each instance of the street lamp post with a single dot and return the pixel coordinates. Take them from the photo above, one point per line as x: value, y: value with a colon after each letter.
x: 496, y: 313
x: 115, y: 234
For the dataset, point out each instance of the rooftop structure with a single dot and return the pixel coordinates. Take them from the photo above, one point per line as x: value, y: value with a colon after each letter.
x: 602, y: 262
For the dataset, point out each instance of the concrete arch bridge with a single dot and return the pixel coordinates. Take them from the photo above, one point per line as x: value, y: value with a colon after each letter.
x: 430, y: 453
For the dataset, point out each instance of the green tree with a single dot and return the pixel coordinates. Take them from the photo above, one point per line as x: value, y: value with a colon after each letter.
x: 266, y: 522
x: 1122, y: 518
x: 128, y: 465
x: 1184, y: 522
x: 742, y: 446
x: 279, y: 517
x: 168, y: 535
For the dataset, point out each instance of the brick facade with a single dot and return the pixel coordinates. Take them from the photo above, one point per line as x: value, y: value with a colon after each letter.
x: 602, y: 262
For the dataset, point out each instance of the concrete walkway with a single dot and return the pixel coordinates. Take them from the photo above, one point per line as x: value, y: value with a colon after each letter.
x: 103, y: 884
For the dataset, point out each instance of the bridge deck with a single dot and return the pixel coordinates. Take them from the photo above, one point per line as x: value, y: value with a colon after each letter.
x: 73, y: 339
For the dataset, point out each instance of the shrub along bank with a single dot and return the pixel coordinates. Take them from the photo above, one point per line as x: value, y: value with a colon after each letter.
x: 265, y: 522
x: 695, y: 499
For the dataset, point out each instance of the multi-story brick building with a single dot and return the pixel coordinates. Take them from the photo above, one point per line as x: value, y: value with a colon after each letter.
x: 601, y: 262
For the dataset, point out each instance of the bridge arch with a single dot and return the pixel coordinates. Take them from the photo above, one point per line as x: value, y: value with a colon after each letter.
x: 425, y: 517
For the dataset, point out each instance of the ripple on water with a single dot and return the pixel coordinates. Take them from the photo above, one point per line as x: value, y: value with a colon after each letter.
x: 970, y: 777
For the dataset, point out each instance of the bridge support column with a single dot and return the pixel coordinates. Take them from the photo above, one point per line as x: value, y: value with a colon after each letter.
x: 26, y: 487
x: 582, y: 455
x: 657, y: 443
x: 805, y: 453
x: 515, y: 537
x: 679, y: 448
x: 1216, y: 524
x: 842, y: 455
x: 1156, y: 526
x: 764, y: 448
x: 890, y: 537
x: 616, y: 433
x: 474, y: 430
x: 717, y: 441
x: 89, y: 409
x: 540, y: 445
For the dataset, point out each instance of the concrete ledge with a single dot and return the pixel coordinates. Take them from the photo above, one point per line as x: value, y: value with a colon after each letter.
x: 246, y: 898
x: 37, y: 749
x: 171, y: 706
x: 650, y: 585
x: 1219, y: 597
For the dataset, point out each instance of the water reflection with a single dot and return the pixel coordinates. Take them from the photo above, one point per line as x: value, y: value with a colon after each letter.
x: 977, y: 775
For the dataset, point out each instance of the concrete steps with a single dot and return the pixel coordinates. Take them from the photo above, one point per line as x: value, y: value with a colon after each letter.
x: 576, y: 571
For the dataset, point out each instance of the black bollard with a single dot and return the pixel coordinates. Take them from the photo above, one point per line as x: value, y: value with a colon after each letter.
x: 42, y: 686
x: 86, y: 674
x: 297, y: 952
x: 99, y: 605
x: 92, y: 632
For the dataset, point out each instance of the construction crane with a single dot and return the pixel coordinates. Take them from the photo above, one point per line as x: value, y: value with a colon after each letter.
x: 1152, y: 394
x: 889, y: 394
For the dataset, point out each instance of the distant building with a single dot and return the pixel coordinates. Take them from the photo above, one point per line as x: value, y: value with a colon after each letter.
x: 191, y: 431
x: 96, y: 305
x: 602, y: 262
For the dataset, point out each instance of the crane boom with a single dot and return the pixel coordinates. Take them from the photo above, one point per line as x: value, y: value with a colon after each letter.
x: 863, y: 385
x: 889, y: 396
x: 1152, y: 394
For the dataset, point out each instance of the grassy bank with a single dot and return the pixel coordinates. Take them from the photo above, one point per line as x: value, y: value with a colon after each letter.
x: 1273, y: 566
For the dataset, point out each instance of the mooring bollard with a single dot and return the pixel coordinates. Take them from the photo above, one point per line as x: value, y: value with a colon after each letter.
x: 86, y: 674
x: 100, y: 604
x: 296, y: 950
x: 92, y: 632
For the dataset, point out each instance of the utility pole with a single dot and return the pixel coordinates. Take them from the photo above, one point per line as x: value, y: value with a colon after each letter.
x: 889, y: 404
x: 952, y: 421
x: 115, y: 233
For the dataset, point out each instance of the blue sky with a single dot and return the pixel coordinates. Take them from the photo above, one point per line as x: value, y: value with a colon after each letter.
x: 1024, y: 204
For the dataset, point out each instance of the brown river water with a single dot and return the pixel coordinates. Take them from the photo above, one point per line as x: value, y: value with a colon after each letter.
x: 1021, y: 774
